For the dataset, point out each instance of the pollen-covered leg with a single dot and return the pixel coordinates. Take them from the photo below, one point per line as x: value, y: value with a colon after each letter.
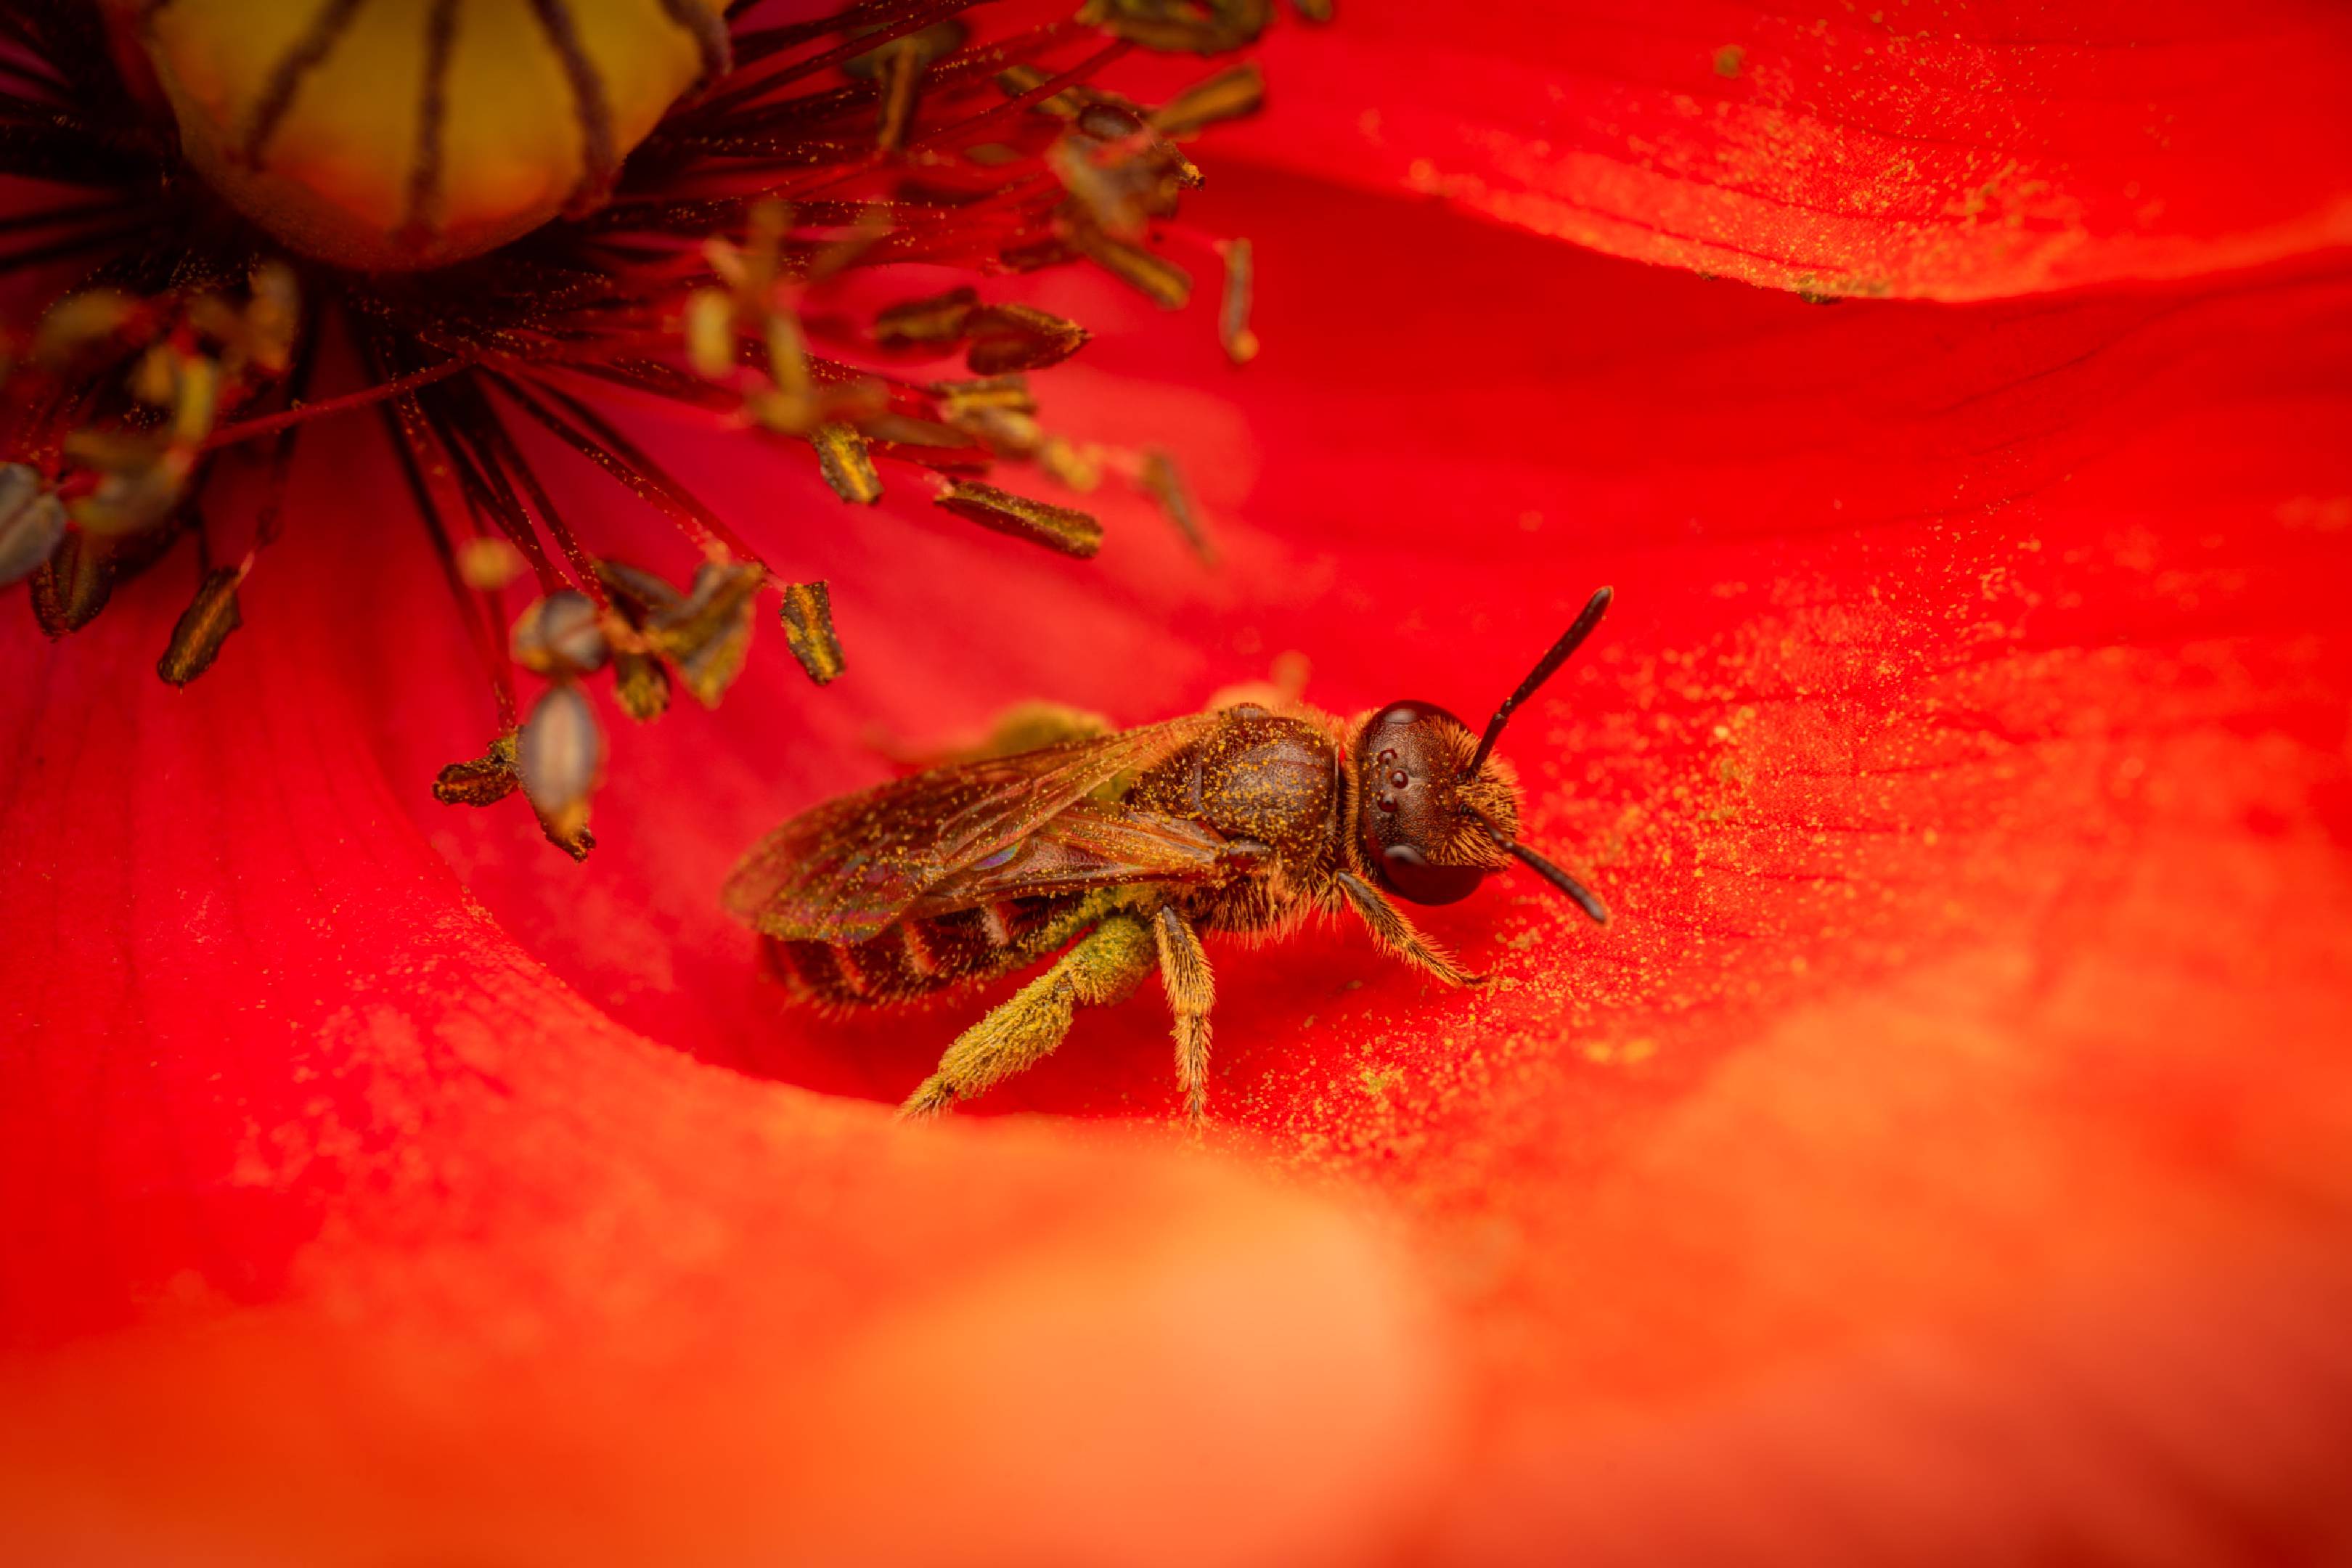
x: 1394, y: 932
x: 1191, y: 992
x: 1103, y: 968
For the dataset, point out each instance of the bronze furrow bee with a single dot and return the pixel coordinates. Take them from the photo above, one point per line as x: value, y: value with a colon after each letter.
x: 1123, y: 850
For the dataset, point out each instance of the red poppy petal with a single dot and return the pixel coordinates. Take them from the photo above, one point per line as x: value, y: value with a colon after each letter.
x: 1956, y: 152
x: 1964, y: 759
x: 337, y: 1229
x: 1955, y: 1101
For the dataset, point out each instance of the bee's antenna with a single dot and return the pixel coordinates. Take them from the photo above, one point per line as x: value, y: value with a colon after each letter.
x: 1578, y: 629
x: 1562, y: 881
x: 1583, y: 894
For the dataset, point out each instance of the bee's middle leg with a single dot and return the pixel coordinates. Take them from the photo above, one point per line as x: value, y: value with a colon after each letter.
x: 1191, y: 992
x: 1105, y: 967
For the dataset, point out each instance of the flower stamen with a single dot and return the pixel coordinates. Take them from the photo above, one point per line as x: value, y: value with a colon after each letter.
x: 1233, y: 312
x: 1229, y: 95
x: 1054, y: 527
x: 559, y: 759
x: 476, y: 605
x: 695, y: 287
x: 899, y: 65
x: 807, y: 616
x: 480, y: 780
x: 846, y: 463
x: 1162, y: 482
x: 203, y: 625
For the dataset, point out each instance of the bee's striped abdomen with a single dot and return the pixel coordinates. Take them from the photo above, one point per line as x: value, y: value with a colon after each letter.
x: 914, y: 958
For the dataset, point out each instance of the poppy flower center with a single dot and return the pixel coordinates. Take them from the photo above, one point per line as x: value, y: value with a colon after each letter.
x: 468, y: 218
x: 412, y: 135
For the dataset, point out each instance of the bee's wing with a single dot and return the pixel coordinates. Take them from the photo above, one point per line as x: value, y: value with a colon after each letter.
x: 842, y: 872
x: 1090, y: 845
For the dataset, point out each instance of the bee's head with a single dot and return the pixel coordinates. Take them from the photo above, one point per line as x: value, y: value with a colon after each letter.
x: 1426, y: 817
x: 1437, y: 809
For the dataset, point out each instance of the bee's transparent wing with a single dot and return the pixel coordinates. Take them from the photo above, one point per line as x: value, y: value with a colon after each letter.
x: 844, y: 870
x: 1091, y: 844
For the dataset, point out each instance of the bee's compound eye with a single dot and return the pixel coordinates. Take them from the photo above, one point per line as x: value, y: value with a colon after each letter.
x: 1397, y: 726
x: 1418, y: 880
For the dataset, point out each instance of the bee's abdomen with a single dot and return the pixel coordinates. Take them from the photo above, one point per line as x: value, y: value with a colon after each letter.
x: 914, y: 958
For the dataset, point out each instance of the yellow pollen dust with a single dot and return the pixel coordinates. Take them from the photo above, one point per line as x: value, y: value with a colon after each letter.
x: 393, y: 135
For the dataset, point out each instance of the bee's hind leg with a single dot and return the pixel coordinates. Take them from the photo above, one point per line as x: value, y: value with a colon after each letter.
x: 1105, y: 967
x: 1191, y: 992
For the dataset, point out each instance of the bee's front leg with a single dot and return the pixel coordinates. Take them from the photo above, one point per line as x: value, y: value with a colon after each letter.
x: 1103, y: 968
x: 1394, y: 932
